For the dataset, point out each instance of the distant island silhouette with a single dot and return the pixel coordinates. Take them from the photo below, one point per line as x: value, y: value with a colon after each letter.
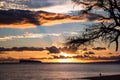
x: 29, y: 61
x: 35, y: 61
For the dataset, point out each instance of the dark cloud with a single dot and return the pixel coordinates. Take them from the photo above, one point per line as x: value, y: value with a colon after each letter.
x: 53, y: 49
x: 85, y: 49
x: 17, y: 16
x: 56, y: 57
x: 25, y: 18
x: 110, y: 53
x: 115, y: 57
x: 78, y: 56
x: 105, y: 58
x: 89, y: 53
x: 99, y: 48
x: 96, y: 57
x: 38, y: 58
x: 22, y: 17
x: 21, y: 49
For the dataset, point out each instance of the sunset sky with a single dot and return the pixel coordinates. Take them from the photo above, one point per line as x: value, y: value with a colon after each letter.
x: 52, y: 33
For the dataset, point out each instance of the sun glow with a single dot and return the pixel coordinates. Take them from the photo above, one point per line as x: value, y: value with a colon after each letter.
x: 65, y: 54
x: 66, y: 60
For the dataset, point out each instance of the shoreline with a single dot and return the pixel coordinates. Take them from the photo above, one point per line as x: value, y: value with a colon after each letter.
x: 104, y: 77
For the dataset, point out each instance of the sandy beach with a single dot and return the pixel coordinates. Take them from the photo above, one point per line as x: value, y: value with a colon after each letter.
x: 109, y: 77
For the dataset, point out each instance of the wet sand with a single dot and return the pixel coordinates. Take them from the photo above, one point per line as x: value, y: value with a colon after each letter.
x: 109, y: 77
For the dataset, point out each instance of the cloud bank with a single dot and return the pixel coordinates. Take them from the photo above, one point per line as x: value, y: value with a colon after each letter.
x: 28, y: 19
x: 28, y: 35
x: 54, y: 53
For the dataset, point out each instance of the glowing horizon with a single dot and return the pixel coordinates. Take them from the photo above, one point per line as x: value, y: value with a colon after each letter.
x: 46, y: 28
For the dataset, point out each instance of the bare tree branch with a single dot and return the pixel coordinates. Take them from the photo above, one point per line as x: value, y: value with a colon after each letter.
x: 104, y: 31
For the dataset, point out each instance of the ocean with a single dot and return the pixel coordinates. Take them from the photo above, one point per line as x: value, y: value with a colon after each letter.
x: 55, y: 71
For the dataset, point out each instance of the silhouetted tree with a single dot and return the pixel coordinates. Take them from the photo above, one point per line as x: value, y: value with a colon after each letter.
x: 105, y: 31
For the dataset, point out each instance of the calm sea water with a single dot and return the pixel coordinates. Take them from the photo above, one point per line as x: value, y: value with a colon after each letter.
x: 55, y: 71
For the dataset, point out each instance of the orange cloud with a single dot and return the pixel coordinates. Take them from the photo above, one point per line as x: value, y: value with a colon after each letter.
x: 43, y: 56
x: 18, y: 25
x: 47, y: 19
x: 30, y: 19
